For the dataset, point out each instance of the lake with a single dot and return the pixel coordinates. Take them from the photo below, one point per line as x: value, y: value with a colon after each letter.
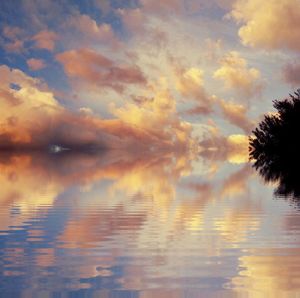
x: 115, y: 224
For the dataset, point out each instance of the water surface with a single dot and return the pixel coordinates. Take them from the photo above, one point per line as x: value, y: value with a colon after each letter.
x: 115, y: 225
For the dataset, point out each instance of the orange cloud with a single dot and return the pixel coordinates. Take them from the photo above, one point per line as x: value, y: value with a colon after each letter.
x: 31, y: 117
x: 157, y: 117
x: 133, y: 19
x: 190, y: 84
x: 91, y: 32
x: 236, y: 75
x: 45, y: 40
x: 23, y: 107
x: 15, y: 37
x: 269, y: 24
x: 36, y: 64
x: 95, y: 70
x: 236, y: 114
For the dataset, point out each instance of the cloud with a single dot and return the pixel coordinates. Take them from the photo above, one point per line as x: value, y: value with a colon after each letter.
x: 133, y: 19
x: 97, y: 71
x: 103, y: 5
x: 33, y: 118
x: 36, y: 64
x: 163, y: 6
x: 190, y: 85
x: 14, y: 39
x: 25, y: 101
x: 236, y: 74
x: 236, y: 114
x: 45, y: 40
x: 198, y: 110
x: 232, y: 148
x: 158, y: 117
x: 88, y: 31
x: 291, y: 74
x: 269, y: 24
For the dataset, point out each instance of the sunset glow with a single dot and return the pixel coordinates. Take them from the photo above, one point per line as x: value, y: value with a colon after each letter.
x: 128, y: 148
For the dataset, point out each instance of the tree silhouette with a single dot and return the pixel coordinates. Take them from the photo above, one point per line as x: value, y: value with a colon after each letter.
x: 275, y: 147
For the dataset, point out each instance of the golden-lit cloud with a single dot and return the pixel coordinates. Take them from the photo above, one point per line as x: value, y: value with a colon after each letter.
x: 158, y: 118
x: 236, y: 74
x: 269, y: 24
x: 32, y: 117
x: 236, y: 114
x: 25, y: 102
x: 95, y: 70
x: 36, y: 64
x: 190, y: 85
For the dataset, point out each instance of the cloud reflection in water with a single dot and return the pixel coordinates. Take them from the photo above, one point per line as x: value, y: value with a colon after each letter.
x: 142, y: 225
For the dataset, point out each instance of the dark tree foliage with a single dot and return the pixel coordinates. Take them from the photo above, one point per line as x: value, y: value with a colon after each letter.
x: 275, y: 147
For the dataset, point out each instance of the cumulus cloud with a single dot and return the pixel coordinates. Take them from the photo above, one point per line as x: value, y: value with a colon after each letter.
x: 236, y: 74
x: 33, y: 118
x: 269, y: 24
x: 190, y: 84
x: 25, y: 103
x: 45, y: 40
x: 236, y: 114
x: 158, y: 117
x: 97, y: 71
x: 291, y: 74
x: 36, y: 64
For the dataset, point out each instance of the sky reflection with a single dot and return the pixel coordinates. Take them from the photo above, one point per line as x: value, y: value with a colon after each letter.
x: 114, y: 224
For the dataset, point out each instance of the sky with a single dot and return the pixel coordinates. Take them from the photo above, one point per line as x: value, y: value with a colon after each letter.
x: 143, y: 74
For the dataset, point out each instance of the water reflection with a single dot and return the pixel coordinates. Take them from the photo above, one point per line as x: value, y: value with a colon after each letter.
x: 282, y: 171
x: 142, y: 226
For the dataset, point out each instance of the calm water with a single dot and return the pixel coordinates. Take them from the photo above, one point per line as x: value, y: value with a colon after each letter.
x: 113, y: 225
